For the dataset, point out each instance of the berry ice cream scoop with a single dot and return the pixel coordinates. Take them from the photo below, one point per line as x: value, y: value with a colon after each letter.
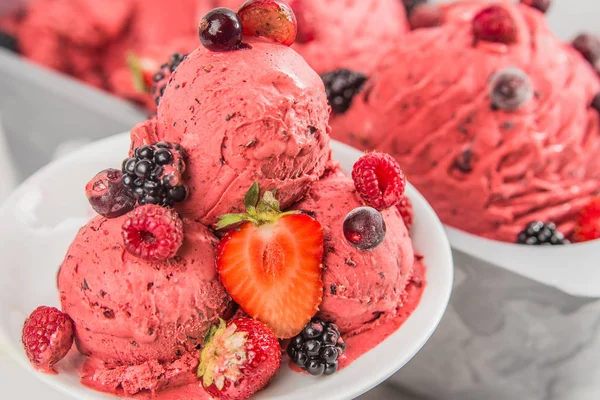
x: 335, y: 34
x: 140, y: 321
x: 490, y: 117
x: 360, y: 287
x: 257, y: 114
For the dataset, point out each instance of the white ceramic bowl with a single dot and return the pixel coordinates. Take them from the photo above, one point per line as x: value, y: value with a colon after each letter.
x: 39, y: 220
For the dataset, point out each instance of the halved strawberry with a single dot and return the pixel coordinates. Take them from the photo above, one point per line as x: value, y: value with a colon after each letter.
x: 142, y: 71
x: 271, y: 263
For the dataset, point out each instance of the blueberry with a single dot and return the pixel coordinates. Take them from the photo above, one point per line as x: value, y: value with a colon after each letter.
x: 510, y: 89
x: 364, y: 228
x: 221, y: 30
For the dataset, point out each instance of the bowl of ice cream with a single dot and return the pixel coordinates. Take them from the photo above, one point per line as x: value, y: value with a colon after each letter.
x: 46, y: 212
x: 231, y: 254
x: 498, y: 129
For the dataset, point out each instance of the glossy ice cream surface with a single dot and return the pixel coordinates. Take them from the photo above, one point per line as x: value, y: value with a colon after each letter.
x: 486, y: 171
x: 256, y: 114
x: 133, y: 317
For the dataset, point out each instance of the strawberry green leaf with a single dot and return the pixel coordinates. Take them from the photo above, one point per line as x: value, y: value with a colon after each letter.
x: 231, y: 219
x: 252, y: 196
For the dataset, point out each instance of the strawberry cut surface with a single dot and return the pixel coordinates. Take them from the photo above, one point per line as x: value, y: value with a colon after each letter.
x: 273, y: 271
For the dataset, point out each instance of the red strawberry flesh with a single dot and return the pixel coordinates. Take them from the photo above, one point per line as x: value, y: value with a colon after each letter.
x: 273, y: 271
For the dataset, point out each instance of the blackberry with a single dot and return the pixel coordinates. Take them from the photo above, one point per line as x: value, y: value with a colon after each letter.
x: 539, y: 233
x: 341, y: 86
x: 162, y: 76
x: 155, y: 174
x: 9, y: 42
x: 317, y: 348
x: 410, y: 5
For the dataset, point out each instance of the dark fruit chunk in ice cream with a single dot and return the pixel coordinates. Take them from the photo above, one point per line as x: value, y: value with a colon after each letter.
x: 317, y: 348
x: 539, y: 233
x: 589, y: 46
x: 542, y: 5
x: 510, y: 89
x: 341, y: 86
x: 273, y: 19
x: 221, y: 30
x: 364, y: 228
x: 107, y: 194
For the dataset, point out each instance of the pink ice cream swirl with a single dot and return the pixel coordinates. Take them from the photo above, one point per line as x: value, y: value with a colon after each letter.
x: 428, y: 104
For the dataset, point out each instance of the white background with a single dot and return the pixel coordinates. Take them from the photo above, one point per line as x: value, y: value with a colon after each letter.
x: 567, y: 17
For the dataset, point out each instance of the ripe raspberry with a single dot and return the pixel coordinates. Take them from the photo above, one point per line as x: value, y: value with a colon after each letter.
x: 379, y: 180
x: 47, y: 337
x: 588, y: 222
x: 495, y: 24
x: 153, y: 233
x: 406, y: 210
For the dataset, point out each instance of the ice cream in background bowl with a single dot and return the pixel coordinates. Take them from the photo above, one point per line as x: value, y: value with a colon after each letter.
x: 497, y: 126
x: 230, y: 251
x: 93, y: 44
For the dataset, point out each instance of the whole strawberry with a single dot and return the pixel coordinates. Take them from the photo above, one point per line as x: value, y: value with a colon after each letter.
x: 47, y: 337
x: 588, y: 222
x: 270, y: 264
x: 238, y: 359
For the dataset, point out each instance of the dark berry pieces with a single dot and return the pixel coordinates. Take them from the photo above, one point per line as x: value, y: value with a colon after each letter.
x: 364, y: 228
x: 107, y: 194
x: 379, y: 180
x: 341, y: 86
x: 9, y: 42
x: 221, y: 30
x: 539, y: 233
x: 155, y: 174
x: 495, y: 24
x: 542, y: 5
x: 464, y: 161
x: 162, y: 76
x: 589, y: 46
x: 410, y: 5
x: 320, y: 353
x: 510, y: 89
x: 152, y: 232
x: 425, y: 16
x: 596, y: 102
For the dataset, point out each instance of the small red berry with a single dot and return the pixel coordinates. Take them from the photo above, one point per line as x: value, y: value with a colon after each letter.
x: 379, y: 180
x: 406, y: 211
x: 425, y: 16
x: 47, y: 337
x: 588, y: 222
x: 153, y: 233
x: 542, y: 5
x: 495, y: 24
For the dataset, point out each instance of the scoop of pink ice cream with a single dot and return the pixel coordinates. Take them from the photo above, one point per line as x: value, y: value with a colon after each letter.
x: 484, y: 170
x: 252, y: 115
x: 129, y: 312
x: 360, y: 288
x: 334, y: 34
